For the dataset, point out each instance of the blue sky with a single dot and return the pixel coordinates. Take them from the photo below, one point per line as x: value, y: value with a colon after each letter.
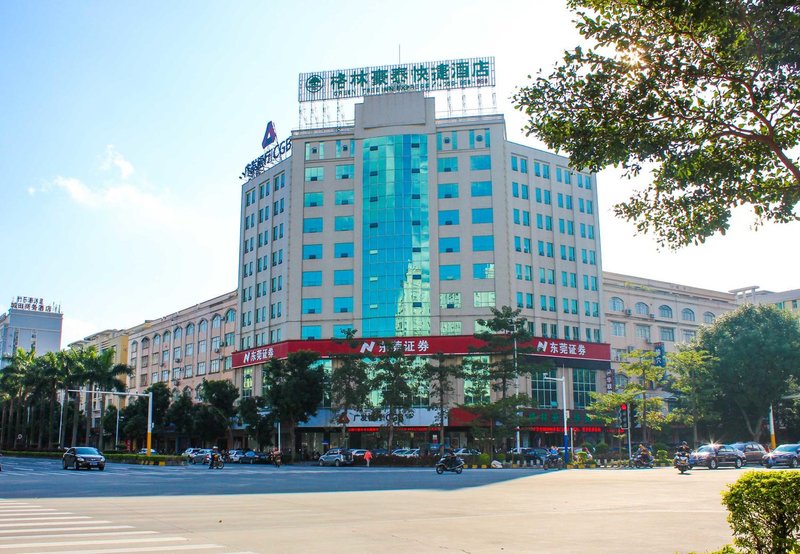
x: 125, y: 127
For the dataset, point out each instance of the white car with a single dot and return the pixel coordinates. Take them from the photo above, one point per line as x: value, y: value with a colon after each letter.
x: 143, y: 452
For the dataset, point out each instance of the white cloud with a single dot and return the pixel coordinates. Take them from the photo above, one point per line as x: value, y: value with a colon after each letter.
x: 114, y: 158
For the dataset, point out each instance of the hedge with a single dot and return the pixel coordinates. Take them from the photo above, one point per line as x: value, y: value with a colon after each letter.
x: 765, y: 511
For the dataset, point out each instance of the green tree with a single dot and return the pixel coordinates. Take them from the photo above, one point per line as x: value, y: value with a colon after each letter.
x: 392, y: 376
x: 644, y: 375
x: 101, y: 372
x: 182, y: 414
x: 135, y: 413
x: 441, y: 372
x: 211, y: 424
x: 12, y: 388
x: 504, y: 338
x: 260, y: 426
x: 294, y: 389
x: 222, y: 395
x: 496, y: 422
x: 757, y: 354
x: 690, y: 374
x: 350, y: 385
x: 706, y: 91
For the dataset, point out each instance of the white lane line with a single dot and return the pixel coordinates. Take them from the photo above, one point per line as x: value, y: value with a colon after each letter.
x: 139, y: 549
x: 38, y: 519
x: 52, y: 529
x: 37, y: 524
x: 28, y: 511
x: 79, y: 543
x: 77, y: 535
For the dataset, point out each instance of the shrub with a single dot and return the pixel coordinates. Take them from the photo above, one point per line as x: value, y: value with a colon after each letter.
x: 484, y: 459
x: 660, y: 446
x: 765, y: 511
x: 582, y: 457
x: 601, y: 449
x: 500, y: 457
x: 662, y: 455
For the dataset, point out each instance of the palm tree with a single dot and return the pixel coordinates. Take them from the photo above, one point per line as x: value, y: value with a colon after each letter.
x: 59, y: 368
x: 12, y: 381
x: 101, y: 372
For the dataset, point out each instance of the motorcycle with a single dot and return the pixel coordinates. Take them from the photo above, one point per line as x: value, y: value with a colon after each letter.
x: 448, y: 463
x: 216, y: 462
x: 553, y: 461
x: 275, y: 458
x: 681, y: 462
x: 640, y: 461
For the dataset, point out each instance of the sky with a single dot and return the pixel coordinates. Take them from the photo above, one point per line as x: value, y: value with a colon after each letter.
x: 125, y: 127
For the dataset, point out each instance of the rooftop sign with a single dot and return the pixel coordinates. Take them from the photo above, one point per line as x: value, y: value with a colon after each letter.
x: 33, y: 304
x: 422, y: 76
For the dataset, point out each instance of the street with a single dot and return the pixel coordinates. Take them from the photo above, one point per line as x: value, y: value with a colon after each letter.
x: 263, y: 509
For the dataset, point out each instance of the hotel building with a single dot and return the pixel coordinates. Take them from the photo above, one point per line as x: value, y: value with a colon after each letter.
x: 408, y: 227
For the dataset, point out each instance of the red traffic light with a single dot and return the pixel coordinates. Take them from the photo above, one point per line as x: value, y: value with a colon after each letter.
x: 623, y: 407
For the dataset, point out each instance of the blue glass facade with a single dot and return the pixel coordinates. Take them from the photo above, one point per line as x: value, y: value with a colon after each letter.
x: 396, y: 249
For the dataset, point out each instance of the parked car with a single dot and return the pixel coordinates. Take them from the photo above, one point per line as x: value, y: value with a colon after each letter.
x: 336, y: 457
x: 714, y: 455
x: 408, y: 453
x: 358, y: 452
x: 785, y: 454
x: 254, y: 457
x: 536, y: 455
x: 466, y: 452
x: 83, y: 456
x: 753, y: 451
x: 143, y: 452
x: 235, y: 456
x: 379, y: 451
x: 189, y: 452
x: 202, y: 456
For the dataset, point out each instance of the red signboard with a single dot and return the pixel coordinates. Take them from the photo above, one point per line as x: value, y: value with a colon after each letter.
x: 419, y: 346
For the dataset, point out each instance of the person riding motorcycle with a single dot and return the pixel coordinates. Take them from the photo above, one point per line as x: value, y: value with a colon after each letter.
x: 684, y: 448
x: 450, y: 459
x: 644, y: 453
x: 213, y: 458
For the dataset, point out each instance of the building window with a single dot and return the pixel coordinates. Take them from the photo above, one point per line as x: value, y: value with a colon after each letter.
x: 450, y: 327
x: 311, y: 332
x: 481, y: 188
x: 642, y: 308
x: 343, y: 223
x: 687, y: 314
x: 343, y: 304
x: 312, y: 305
x: 643, y: 332
x: 312, y: 278
x: 341, y: 331
x: 583, y: 384
x: 345, y: 171
x: 665, y: 311
x: 450, y: 300
x: 312, y: 251
x: 447, y: 165
x: 708, y: 318
x: 344, y: 197
x: 617, y: 329
x: 544, y: 391
x: 343, y: 250
x: 312, y: 199
x: 449, y: 244
x: 688, y: 335
x: 314, y: 174
x: 477, y: 163
x: 667, y: 334
x: 312, y: 225
x: 343, y: 277
x: 448, y: 217
x: 482, y: 215
x: 483, y: 271
x: 450, y: 272
x: 448, y: 190
x: 483, y: 243
x: 485, y: 299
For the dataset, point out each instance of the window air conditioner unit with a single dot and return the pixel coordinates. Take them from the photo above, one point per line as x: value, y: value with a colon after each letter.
x: 216, y: 350
x: 652, y: 316
x: 177, y: 360
x: 627, y: 312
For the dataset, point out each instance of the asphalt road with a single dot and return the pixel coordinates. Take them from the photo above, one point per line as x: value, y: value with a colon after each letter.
x: 44, y: 478
x: 245, y: 510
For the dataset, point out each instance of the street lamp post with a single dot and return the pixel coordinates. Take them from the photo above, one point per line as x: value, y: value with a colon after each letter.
x: 564, y: 408
x: 149, y: 396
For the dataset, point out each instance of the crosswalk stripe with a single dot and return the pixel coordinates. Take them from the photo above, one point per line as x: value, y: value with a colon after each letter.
x: 38, y: 519
x: 37, y: 524
x: 79, y: 543
x: 63, y: 535
x: 139, y: 549
x: 52, y: 529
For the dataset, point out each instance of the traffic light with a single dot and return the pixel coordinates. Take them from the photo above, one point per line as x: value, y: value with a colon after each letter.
x: 634, y: 416
x: 622, y: 416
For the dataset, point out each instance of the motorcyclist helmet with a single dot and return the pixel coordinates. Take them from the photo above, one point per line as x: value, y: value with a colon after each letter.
x: 684, y: 443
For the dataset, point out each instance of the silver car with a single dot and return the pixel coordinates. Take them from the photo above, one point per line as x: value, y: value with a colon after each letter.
x: 336, y: 457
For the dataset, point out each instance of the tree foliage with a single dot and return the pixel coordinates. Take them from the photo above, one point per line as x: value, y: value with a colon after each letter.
x: 690, y: 376
x: 394, y: 376
x: 757, y: 354
x: 350, y: 384
x: 440, y: 372
x: 644, y: 375
x: 706, y: 91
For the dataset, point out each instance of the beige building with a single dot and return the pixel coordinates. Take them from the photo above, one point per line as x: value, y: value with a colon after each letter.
x: 643, y: 313
x: 110, y: 339
x: 787, y: 300
x: 184, y: 348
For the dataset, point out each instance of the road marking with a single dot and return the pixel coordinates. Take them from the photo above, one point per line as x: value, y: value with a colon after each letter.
x: 51, y: 529
x: 141, y: 549
x: 53, y: 522
x: 79, y: 543
x: 38, y: 519
x: 63, y: 535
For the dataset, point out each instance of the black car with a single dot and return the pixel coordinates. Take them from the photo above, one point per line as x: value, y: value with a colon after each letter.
x: 254, y: 457
x: 753, y: 451
x: 83, y: 456
x: 714, y: 455
x: 785, y: 454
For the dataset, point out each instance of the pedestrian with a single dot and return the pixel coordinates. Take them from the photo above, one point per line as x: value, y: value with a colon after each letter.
x: 368, y: 456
